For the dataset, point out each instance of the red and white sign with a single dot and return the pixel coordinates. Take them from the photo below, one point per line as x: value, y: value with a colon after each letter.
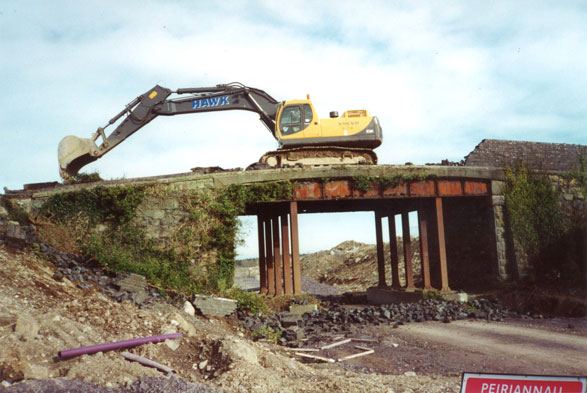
x: 499, y: 383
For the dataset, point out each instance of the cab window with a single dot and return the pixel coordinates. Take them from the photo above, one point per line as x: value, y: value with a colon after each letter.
x: 291, y: 120
x: 308, y: 115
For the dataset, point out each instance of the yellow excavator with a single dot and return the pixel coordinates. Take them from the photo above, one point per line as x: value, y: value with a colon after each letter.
x: 304, y: 139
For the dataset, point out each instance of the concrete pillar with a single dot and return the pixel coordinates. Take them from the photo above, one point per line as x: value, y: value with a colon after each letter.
x: 277, y: 257
x: 287, y: 283
x: 424, y: 255
x: 407, y: 252
x: 393, y: 253
x: 295, y: 248
x: 262, y: 265
x: 441, y: 245
x: 380, y: 257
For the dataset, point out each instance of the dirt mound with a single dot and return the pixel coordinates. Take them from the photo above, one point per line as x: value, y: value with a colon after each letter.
x: 352, y: 266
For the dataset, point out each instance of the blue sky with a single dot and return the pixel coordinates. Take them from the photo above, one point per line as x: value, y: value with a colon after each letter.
x: 441, y: 76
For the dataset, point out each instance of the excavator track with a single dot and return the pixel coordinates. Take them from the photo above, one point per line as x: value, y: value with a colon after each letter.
x: 317, y: 156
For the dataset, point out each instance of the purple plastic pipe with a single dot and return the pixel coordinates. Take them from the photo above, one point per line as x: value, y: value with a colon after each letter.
x: 69, y: 353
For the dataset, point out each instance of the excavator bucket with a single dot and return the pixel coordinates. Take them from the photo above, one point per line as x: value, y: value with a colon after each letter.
x: 74, y: 153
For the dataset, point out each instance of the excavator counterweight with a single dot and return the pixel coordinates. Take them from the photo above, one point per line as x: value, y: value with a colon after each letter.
x: 303, y: 138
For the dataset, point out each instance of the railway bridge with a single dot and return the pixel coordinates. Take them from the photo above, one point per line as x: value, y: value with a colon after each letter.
x: 459, y: 209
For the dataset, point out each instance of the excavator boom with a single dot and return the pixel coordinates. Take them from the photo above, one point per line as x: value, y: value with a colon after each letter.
x: 74, y: 153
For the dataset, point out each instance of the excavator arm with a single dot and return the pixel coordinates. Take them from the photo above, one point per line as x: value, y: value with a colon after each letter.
x: 74, y: 153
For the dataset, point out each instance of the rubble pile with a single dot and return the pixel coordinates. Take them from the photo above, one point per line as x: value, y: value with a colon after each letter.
x: 83, y: 272
x: 309, y: 328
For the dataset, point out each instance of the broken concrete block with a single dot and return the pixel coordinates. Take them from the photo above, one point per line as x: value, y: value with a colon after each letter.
x: 216, y: 306
x: 289, y: 320
x: 132, y: 283
x: 301, y: 309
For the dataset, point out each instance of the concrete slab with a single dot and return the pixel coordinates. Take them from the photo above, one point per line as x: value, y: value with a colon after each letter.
x: 376, y: 295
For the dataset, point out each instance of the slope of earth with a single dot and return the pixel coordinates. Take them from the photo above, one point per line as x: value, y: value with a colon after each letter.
x: 40, y: 316
x: 352, y: 266
x: 42, y: 313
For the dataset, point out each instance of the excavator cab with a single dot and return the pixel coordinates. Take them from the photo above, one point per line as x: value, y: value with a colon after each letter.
x: 296, y: 117
x: 298, y: 125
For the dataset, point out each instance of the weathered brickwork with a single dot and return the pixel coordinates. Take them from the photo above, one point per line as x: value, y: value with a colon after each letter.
x: 541, y: 156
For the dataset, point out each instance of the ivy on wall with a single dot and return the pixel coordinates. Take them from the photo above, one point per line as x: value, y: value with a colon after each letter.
x: 202, y: 255
x: 541, y: 230
x: 364, y: 183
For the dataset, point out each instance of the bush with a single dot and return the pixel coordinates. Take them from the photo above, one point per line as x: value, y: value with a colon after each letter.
x: 248, y: 301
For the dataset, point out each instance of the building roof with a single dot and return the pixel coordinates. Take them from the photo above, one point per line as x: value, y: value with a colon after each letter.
x: 536, y: 155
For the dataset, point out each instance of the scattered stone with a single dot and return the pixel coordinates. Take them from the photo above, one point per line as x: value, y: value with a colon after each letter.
x: 289, y: 320
x: 215, y: 306
x: 140, y: 297
x: 189, y: 309
x: 172, y: 344
x: 37, y: 372
x: 132, y: 282
x: 335, y: 319
x: 301, y: 309
x: 184, y: 325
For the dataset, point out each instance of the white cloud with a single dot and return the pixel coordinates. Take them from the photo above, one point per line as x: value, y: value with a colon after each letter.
x: 441, y: 77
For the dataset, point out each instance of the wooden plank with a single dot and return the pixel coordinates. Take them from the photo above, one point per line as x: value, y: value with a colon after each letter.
x: 336, y: 344
x: 322, y: 358
x: 356, y: 355
x: 365, y: 340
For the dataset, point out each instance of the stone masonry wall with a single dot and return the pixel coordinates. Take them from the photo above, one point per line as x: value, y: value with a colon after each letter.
x: 541, y: 156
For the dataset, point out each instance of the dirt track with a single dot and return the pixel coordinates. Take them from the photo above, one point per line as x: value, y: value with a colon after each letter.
x: 545, y: 347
